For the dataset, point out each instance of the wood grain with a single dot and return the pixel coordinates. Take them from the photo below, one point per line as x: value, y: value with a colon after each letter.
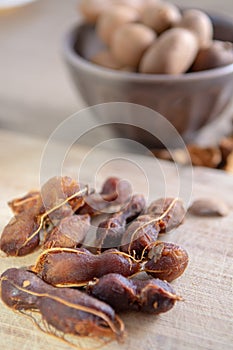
x: 204, y: 320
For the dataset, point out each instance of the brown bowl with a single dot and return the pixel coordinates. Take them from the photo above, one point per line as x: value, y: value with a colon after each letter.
x: 189, y: 101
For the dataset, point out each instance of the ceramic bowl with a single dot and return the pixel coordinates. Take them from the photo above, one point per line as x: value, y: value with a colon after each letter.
x: 189, y: 101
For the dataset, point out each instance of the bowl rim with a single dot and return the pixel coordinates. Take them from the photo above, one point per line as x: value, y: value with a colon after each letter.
x: 77, y: 60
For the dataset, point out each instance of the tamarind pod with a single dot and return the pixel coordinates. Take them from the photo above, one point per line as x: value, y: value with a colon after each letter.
x: 76, y: 267
x: 151, y: 296
x: 68, y: 310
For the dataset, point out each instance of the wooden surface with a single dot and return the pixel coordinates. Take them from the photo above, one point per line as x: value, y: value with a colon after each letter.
x: 203, y: 321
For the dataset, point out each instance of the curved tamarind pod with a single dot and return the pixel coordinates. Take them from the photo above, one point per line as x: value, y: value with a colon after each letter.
x: 172, y: 208
x: 15, y: 240
x: 114, y: 192
x: 110, y: 231
x: 166, y: 261
x: 150, y: 296
x: 76, y: 267
x: 140, y: 234
x: 69, y: 233
x: 134, y: 208
x: 69, y: 311
x: 161, y: 216
x: 32, y: 202
x: 58, y: 189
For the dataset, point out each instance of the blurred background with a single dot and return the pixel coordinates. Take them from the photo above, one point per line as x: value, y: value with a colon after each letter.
x: 36, y: 93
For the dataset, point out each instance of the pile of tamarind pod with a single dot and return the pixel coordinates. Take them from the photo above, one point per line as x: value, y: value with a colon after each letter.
x: 67, y: 278
x: 53, y: 210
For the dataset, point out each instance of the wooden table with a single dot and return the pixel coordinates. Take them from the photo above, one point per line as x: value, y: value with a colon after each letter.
x: 203, y: 321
